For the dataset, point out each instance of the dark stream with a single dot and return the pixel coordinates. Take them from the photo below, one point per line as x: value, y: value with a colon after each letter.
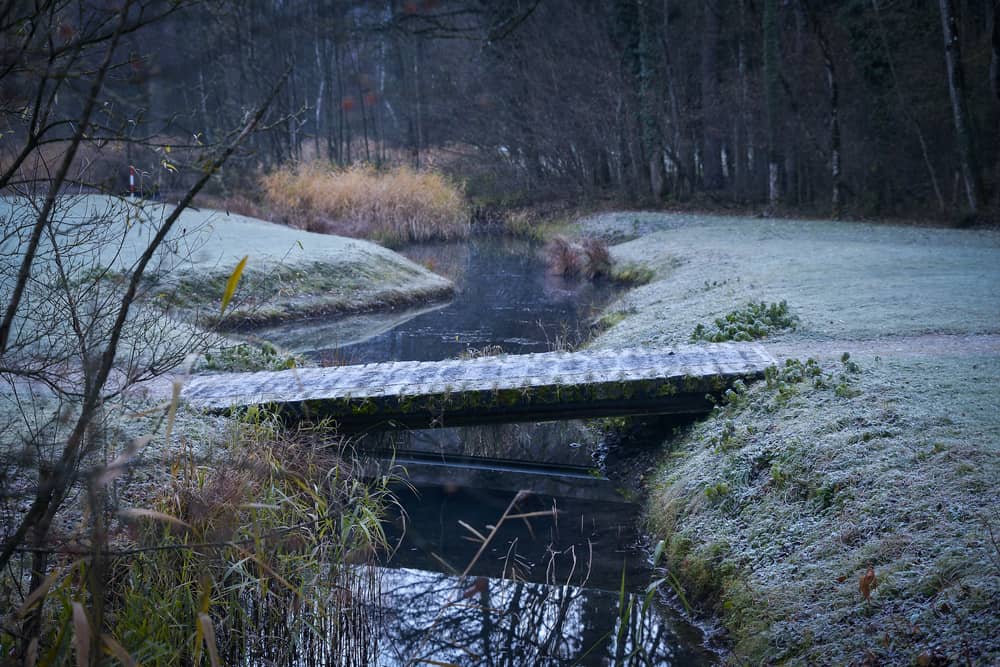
x: 564, y: 560
x: 505, y: 297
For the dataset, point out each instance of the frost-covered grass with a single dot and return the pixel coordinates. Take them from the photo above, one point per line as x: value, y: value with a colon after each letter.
x: 843, y: 280
x: 289, y: 272
x: 775, y: 506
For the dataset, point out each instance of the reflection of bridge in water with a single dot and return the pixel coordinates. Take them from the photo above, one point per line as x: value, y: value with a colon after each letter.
x: 504, y: 388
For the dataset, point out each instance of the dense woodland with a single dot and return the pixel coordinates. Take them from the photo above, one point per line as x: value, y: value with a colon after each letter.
x: 867, y: 107
x: 853, y: 104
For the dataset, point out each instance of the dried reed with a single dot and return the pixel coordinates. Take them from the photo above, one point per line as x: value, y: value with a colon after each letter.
x: 393, y: 207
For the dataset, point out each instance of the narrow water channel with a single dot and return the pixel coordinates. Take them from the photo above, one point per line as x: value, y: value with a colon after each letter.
x: 560, y: 579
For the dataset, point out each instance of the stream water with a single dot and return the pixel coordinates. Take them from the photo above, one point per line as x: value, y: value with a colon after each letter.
x: 561, y: 577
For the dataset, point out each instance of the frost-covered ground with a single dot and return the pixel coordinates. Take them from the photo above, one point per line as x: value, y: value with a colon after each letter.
x: 775, y: 507
x: 843, y: 280
x: 289, y: 272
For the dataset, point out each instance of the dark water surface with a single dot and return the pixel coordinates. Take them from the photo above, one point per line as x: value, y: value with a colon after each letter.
x: 561, y: 577
x: 505, y: 297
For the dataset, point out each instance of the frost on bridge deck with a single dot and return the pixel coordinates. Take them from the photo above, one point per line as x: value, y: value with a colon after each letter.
x: 505, y: 388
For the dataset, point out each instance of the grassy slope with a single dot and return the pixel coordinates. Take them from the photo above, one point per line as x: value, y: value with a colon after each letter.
x: 289, y: 272
x: 775, y: 506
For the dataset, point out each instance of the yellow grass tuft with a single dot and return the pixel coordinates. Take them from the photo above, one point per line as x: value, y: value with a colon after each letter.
x: 393, y: 207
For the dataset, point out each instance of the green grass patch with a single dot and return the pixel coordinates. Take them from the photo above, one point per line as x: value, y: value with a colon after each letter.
x: 632, y: 274
x: 246, y: 357
x: 754, y: 321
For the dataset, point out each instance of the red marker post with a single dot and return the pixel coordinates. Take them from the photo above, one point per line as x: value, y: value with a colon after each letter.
x: 131, y: 181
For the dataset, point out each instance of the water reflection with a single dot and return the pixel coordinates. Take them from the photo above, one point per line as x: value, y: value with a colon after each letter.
x: 434, y: 619
x: 568, y: 444
x: 538, y: 537
x: 329, y: 334
x: 523, y: 579
x: 504, y: 297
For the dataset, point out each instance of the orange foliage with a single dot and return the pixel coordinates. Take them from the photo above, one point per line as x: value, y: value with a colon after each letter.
x: 393, y: 206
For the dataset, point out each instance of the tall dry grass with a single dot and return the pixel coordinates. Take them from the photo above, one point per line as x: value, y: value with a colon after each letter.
x: 263, y: 553
x: 393, y: 207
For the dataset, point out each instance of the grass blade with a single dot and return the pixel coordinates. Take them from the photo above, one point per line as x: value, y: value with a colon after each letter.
x: 140, y: 513
x: 81, y: 635
x: 208, y: 632
x: 40, y: 592
x: 114, y: 648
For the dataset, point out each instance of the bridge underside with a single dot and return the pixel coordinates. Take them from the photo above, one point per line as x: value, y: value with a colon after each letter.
x: 506, y: 388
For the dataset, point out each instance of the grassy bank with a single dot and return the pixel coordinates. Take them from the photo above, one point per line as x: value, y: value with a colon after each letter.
x: 775, y: 507
x: 289, y: 273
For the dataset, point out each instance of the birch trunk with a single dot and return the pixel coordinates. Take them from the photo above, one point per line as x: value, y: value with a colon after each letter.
x: 771, y: 83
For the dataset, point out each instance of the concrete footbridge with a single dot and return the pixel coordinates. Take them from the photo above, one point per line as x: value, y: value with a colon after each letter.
x: 503, y: 388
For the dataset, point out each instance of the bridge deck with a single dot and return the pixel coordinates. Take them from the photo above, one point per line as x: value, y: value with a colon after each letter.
x: 505, y: 388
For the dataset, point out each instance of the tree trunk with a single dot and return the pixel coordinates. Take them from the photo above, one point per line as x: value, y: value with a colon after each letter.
x: 995, y: 85
x: 343, y: 119
x: 418, y: 52
x: 995, y: 59
x: 624, y: 161
x: 905, y: 109
x: 960, y: 113
x: 293, y: 118
x: 673, y: 146
x: 361, y: 105
x: 649, y: 104
x: 711, y: 129
x: 320, y: 89
x: 741, y: 123
x: 602, y: 168
x: 836, y: 196
x: 332, y: 127
x: 772, y: 77
x: 833, y: 90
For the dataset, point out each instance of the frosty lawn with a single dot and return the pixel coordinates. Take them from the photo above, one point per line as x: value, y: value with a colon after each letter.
x: 774, y: 507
